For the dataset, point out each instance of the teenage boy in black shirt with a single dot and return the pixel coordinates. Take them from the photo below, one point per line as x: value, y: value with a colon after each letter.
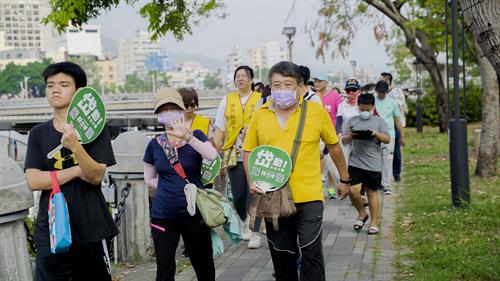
x: 80, y: 169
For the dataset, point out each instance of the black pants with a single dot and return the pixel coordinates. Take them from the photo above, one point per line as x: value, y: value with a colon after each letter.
x: 397, y: 161
x: 241, y: 194
x: 196, y: 236
x: 296, y: 249
x: 80, y: 263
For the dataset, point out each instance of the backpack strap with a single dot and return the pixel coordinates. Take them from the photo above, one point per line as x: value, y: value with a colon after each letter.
x: 298, y: 135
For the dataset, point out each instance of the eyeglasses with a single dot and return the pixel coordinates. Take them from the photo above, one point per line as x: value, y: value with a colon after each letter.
x: 191, y: 105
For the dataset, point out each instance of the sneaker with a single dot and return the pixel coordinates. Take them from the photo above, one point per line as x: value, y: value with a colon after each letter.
x: 246, y: 233
x: 387, y: 191
x: 397, y: 178
x: 331, y: 193
x: 254, y: 242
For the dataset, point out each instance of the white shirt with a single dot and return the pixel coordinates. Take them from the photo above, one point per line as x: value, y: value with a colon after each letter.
x: 399, y: 96
x: 347, y: 111
x: 313, y: 96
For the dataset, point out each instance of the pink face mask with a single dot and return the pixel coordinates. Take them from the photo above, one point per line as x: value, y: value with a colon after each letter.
x: 168, y: 117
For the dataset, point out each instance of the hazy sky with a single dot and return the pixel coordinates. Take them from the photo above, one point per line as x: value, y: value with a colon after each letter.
x: 250, y: 22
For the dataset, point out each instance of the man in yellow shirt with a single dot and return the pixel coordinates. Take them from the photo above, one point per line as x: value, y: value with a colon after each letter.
x: 275, y: 124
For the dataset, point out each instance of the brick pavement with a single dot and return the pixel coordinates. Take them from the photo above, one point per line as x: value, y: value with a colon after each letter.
x: 349, y: 256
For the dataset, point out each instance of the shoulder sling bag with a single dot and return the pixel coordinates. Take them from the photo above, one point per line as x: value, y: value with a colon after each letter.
x: 279, y: 204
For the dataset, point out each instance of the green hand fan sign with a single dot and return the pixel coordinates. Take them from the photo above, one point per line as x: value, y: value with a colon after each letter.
x: 87, y: 114
x: 269, y: 167
x: 210, y: 169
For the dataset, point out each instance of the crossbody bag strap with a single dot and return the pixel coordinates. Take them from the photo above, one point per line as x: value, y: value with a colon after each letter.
x: 298, y: 135
x: 172, y: 156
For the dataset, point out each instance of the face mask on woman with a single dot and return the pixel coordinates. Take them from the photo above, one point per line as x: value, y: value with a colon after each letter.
x: 284, y: 99
x: 168, y: 117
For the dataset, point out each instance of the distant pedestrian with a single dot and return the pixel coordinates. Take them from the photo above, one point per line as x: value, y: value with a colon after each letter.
x: 399, y: 96
x: 331, y: 100
x: 388, y: 109
x: 258, y: 87
x: 307, y: 92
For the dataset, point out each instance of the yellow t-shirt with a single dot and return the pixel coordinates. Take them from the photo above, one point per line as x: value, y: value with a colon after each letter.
x: 264, y: 129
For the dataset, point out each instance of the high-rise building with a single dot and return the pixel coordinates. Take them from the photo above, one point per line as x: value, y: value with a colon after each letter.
x: 125, y: 59
x: 133, y: 54
x: 20, y: 24
x: 85, y: 40
x: 144, y: 47
x: 272, y: 53
x: 107, y: 71
x: 234, y: 59
x: 256, y: 61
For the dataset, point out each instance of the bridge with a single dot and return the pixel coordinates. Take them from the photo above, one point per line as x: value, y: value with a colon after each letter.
x: 121, y: 110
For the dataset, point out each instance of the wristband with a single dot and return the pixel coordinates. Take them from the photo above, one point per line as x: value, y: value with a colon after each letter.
x: 346, y: 182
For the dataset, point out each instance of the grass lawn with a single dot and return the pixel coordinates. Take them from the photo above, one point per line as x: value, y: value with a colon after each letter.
x: 436, y: 240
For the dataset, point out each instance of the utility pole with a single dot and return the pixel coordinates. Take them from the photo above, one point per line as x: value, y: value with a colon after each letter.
x: 353, y: 64
x: 289, y: 32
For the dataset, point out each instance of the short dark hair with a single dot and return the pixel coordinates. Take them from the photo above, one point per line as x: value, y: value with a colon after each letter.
x: 266, y: 91
x: 260, y: 84
x: 247, y: 69
x: 287, y: 69
x: 69, y: 68
x: 368, y: 87
x: 366, y: 99
x: 188, y: 94
x: 306, y: 73
x: 388, y: 76
x: 382, y: 87
x: 310, y: 83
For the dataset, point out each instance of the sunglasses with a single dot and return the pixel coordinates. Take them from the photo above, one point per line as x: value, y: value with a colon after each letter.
x: 351, y: 90
x: 191, y: 105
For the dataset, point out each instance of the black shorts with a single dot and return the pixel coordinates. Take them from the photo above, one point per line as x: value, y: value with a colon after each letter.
x: 80, y: 263
x: 369, y: 179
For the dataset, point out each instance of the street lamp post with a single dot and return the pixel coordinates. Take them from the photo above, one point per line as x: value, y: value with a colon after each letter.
x: 353, y: 64
x: 459, y: 162
x: 418, y: 89
x: 289, y: 32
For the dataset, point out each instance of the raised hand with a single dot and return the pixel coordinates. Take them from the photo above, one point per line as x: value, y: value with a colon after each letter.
x: 180, y: 130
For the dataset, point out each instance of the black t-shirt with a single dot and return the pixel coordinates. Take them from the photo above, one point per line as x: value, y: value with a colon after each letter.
x: 89, y: 215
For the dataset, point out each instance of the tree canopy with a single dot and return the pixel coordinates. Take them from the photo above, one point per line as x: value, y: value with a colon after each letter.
x: 175, y: 17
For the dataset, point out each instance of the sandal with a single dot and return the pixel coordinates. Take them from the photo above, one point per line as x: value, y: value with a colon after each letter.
x: 373, y: 230
x: 359, y: 223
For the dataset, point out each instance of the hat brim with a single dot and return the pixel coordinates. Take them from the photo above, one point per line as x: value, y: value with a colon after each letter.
x: 352, y: 87
x: 320, y: 78
x: 166, y: 100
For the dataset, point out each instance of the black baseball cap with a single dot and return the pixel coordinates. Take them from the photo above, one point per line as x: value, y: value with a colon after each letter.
x: 352, y: 84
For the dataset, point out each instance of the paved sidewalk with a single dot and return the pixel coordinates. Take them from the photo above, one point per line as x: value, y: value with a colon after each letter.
x: 349, y: 256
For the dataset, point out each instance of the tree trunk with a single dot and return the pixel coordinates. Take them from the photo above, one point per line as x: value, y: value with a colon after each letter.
x: 426, y: 54
x: 441, y: 95
x: 482, y: 18
x: 490, y: 131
